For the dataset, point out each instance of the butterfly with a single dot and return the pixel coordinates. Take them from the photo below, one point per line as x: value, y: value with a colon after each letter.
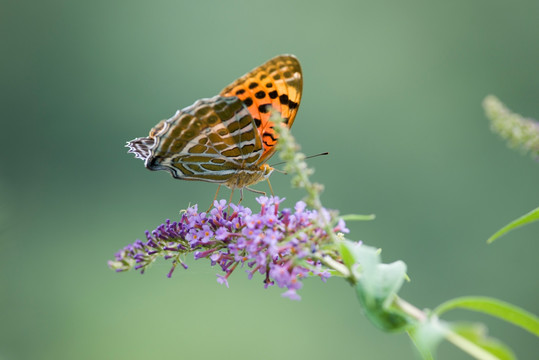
x: 228, y: 138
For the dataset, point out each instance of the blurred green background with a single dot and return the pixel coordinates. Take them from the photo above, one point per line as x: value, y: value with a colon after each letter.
x: 392, y: 90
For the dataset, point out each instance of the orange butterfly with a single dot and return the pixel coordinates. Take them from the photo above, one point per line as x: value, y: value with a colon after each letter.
x: 228, y: 138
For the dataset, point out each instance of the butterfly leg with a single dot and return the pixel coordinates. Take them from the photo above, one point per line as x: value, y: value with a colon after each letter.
x: 214, y: 198
x: 257, y: 191
x: 241, y: 196
x: 230, y: 200
x: 271, y: 189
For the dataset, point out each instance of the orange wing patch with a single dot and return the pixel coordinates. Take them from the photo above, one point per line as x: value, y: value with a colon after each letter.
x: 277, y: 85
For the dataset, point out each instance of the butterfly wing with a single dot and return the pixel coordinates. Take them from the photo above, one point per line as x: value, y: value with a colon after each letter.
x: 209, y: 141
x: 276, y: 84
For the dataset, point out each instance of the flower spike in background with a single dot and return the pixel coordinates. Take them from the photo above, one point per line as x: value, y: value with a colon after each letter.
x: 518, y: 131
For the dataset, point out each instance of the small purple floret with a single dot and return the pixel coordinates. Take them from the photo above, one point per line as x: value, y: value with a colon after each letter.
x: 221, y: 279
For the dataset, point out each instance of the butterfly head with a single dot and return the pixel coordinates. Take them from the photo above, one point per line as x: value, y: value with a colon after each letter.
x: 266, y: 171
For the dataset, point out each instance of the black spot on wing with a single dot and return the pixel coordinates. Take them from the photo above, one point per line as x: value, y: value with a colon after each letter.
x: 264, y: 108
x: 267, y: 134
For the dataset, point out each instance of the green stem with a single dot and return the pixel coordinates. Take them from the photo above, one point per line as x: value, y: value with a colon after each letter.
x: 335, y: 265
x: 468, y: 346
x: 409, y: 309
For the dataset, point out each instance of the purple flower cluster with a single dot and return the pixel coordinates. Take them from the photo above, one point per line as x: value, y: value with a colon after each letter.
x: 282, y: 245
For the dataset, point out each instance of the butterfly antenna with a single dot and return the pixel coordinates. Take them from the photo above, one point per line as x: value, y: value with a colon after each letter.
x: 308, y: 157
x: 280, y: 171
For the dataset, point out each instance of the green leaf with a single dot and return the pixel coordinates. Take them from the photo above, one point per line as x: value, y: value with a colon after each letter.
x: 385, y: 281
x: 427, y: 335
x: 355, y: 217
x: 348, y: 250
x: 477, y: 334
x: 521, y: 221
x: 377, y: 288
x: 493, y: 307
